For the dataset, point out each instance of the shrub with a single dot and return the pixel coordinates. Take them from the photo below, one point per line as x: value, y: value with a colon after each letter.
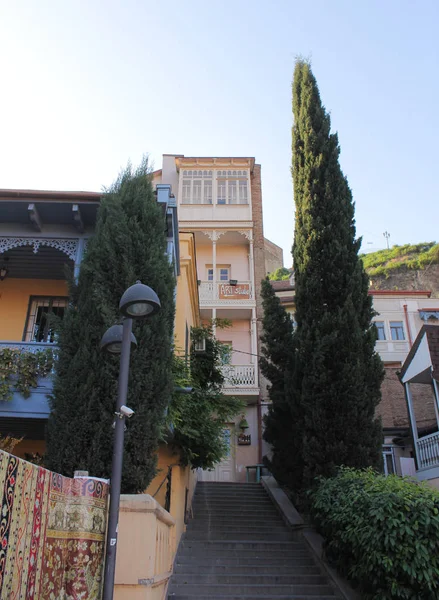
x: 381, y: 532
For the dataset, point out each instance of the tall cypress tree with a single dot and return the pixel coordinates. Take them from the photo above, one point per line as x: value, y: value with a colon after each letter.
x: 129, y: 245
x: 338, y: 373
x: 282, y: 422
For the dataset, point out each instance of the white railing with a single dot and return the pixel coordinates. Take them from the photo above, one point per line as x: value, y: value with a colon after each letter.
x: 428, y: 450
x: 225, y: 293
x: 239, y: 375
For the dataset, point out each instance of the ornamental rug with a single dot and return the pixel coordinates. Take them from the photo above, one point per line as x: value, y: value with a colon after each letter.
x: 52, y: 533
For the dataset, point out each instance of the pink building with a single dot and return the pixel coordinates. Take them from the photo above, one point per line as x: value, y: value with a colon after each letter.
x: 220, y: 201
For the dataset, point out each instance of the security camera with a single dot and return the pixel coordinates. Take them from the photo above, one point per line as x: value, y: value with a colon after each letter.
x: 126, y: 411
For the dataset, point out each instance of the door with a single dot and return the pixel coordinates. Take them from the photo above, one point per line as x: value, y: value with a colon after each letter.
x: 225, y: 470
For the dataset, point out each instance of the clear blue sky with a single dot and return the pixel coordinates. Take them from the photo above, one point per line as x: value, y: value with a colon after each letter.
x: 88, y: 85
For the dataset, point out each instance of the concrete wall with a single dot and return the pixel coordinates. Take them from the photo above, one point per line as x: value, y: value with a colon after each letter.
x: 14, y: 302
x: 233, y: 256
x: 240, y: 336
x: 187, y: 312
x: 183, y: 478
x: 247, y: 455
x: 145, y: 550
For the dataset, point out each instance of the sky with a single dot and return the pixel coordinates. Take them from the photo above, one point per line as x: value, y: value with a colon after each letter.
x: 87, y: 86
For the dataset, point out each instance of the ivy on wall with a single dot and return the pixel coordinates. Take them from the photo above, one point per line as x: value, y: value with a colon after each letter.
x: 20, y: 370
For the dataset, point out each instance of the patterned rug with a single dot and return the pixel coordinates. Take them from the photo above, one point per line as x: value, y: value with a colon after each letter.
x: 52, y: 533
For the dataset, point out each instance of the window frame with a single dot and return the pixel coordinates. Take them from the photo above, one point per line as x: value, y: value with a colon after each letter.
x: 388, y: 450
x: 219, y: 268
x: 394, y: 328
x: 35, y: 299
x: 383, y: 329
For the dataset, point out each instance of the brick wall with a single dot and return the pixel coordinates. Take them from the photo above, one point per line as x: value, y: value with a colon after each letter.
x: 393, y: 407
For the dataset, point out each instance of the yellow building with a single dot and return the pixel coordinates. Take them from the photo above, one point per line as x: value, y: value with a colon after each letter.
x: 40, y: 233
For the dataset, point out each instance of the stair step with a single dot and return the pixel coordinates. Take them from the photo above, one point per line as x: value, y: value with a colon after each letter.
x: 244, y: 545
x: 231, y: 562
x: 245, y: 579
x: 204, y: 589
x: 247, y: 570
x: 182, y: 596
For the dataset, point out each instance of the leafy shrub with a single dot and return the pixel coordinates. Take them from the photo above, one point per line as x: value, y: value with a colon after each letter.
x: 381, y: 532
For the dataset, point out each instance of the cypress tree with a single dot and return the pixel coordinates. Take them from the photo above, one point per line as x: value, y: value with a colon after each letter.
x: 282, y: 423
x: 129, y: 244
x: 337, y: 371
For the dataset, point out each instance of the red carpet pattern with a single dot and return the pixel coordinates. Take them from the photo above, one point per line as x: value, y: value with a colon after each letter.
x: 52, y: 533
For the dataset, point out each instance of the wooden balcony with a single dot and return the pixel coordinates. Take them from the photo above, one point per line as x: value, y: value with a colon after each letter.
x: 428, y: 451
x: 223, y: 293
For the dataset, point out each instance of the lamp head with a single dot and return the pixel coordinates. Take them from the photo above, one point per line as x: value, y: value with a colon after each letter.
x: 139, y: 301
x: 112, y: 340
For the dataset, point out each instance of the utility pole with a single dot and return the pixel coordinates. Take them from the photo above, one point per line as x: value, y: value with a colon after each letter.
x: 386, y: 234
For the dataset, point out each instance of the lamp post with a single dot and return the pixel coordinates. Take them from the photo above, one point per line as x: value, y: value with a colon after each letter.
x: 138, y: 301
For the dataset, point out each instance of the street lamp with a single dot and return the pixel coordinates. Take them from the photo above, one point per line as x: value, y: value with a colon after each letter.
x: 137, y: 302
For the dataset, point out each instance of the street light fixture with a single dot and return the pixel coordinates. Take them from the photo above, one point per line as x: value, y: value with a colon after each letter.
x: 112, y: 340
x: 137, y: 302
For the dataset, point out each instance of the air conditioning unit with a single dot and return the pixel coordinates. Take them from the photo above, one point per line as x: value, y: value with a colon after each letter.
x: 200, y: 345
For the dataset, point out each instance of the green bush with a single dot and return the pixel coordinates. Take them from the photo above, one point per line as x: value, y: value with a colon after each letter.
x: 381, y: 532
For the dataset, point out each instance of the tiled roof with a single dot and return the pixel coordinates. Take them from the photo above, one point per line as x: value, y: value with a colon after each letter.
x: 282, y: 286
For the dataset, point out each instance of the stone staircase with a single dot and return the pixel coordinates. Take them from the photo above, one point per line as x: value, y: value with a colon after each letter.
x: 237, y: 547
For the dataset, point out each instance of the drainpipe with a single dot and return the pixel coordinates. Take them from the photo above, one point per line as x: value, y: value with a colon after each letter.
x: 259, y: 413
x: 406, y: 314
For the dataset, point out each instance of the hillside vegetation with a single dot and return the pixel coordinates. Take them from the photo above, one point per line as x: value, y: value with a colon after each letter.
x: 401, y: 258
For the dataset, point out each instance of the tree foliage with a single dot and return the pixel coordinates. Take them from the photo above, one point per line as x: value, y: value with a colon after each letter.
x: 129, y: 245
x: 282, y: 425
x: 197, y: 419
x: 280, y: 274
x: 337, y: 371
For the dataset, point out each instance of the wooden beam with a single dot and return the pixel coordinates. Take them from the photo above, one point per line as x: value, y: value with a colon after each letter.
x: 79, y: 223
x: 34, y: 217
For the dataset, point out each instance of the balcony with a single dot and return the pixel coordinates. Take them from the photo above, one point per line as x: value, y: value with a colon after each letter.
x: 225, y: 294
x: 239, y: 376
x: 428, y: 451
x: 36, y: 405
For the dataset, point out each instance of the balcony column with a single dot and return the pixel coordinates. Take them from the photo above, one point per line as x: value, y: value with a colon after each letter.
x: 251, y: 265
x: 413, y: 426
x: 254, y: 345
x: 435, y: 387
x: 214, y: 238
x: 78, y: 257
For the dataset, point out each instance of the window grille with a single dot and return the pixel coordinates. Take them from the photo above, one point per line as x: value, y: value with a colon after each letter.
x: 40, y: 326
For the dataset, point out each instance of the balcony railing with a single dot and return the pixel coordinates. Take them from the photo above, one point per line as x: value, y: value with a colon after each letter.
x: 239, y: 376
x: 428, y: 450
x: 32, y: 347
x: 225, y: 293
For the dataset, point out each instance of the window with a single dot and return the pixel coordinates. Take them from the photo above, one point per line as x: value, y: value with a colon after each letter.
x: 381, y: 333
x: 232, y: 187
x: 397, y: 330
x: 221, y: 198
x: 40, y: 324
x: 243, y: 191
x: 222, y: 274
x: 388, y: 460
x: 197, y: 187
x: 232, y: 192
